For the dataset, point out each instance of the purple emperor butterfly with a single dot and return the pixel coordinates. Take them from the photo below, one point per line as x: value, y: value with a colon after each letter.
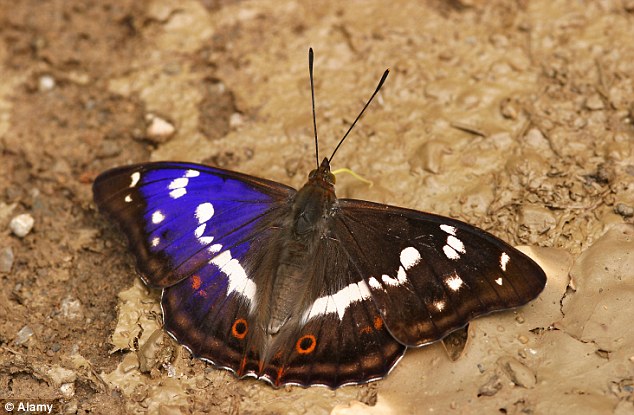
x: 300, y: 287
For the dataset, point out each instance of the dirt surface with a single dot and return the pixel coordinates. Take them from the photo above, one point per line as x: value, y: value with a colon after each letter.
x: 514, y: 116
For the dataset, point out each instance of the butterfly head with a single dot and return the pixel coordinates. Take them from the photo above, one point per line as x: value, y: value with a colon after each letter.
x: 322, y: 174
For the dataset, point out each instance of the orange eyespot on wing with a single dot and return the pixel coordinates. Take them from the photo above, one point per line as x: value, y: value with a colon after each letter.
x: 306, y: 344
x: 239, y: 329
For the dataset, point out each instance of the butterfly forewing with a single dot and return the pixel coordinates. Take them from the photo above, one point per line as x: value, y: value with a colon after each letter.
x: 430, y: 275
x: 179, y: 215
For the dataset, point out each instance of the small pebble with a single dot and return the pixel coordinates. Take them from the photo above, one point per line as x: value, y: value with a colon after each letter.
x: 68, y: 390
x: 594, y: 103
x: 509, y: 109
x: 24, y: 335
x: 621, y: 208
x: 158, y: 129
x: 46, y: 83
x: 235, y: 120
x: 6, y: 259
x: 71, y: 308
x: 22, y: 224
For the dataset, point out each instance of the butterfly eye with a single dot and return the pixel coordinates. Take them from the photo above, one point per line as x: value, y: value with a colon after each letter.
x: 239, y: 329
x: 306, y: 344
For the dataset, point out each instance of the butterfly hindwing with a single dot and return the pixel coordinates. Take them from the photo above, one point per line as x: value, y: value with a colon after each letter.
x: 211, y: 318
x: 338, y: 337
x: 430, y: 275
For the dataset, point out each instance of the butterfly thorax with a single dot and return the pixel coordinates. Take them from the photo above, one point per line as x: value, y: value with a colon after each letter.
x: 312, y: 210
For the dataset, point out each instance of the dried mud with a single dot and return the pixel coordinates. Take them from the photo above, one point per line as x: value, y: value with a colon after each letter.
x: 515, y: 116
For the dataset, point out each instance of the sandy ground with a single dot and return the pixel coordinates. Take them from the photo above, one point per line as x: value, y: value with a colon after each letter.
x: 515, y: 116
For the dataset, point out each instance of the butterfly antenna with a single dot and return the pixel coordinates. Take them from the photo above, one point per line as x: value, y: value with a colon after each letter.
x: 378, y: 87
x: 312, y: 92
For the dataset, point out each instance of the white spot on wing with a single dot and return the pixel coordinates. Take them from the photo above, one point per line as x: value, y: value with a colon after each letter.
x: 192, y: 173
x: 499, y: 281
x: 238, y: 280
x: 448, y: 229
x: 157, y: 217
x: 338, y: 302
x: 135, y: 177
x: 178, y: 183
x: 410, y: 257
x: 204, y: 212
x: 127, y: 198
x: 374, y: 283
x: 215, y: 248
x: 454, y: 282
x: 176, y: 193
x: 456, y: 244
x: 450, y: 252
x: 155, y: 241
x: 401, y: 278
x: 177, y: 187
x: 200, y: 230
x: 504, y: 260
x: 206, y: 240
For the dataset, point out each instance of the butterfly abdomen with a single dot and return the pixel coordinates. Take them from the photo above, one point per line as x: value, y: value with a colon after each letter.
x: 299, y: 242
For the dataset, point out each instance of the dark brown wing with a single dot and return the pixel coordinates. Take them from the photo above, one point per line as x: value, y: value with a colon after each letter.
x: 430, y: 275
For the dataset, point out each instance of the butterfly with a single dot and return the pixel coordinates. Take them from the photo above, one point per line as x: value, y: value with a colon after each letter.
x: 300, y: 287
